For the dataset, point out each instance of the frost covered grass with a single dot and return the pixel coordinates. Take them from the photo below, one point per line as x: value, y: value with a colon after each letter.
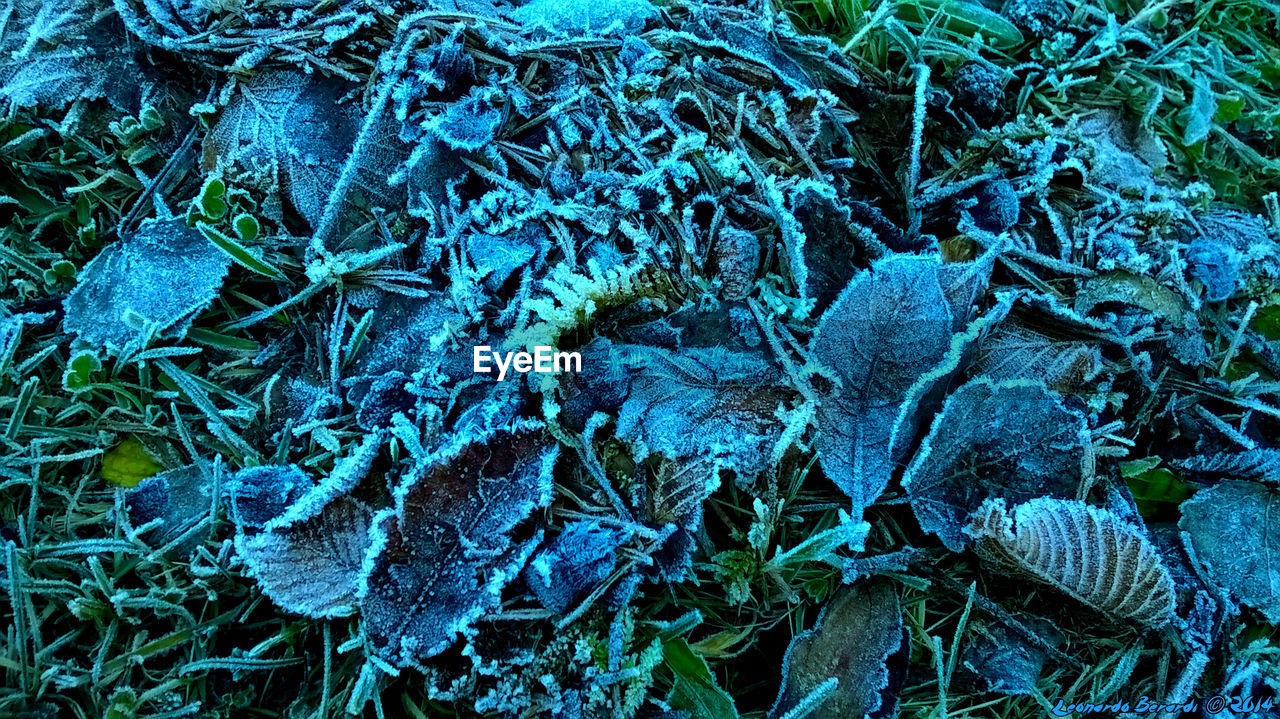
x: 929, y: 351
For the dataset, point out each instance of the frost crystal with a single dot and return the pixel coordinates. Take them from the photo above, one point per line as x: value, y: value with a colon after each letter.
x: 150, y: 283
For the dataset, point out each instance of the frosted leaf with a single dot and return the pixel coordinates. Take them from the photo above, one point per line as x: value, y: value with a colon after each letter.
x: 1217, y: 265
x: 293, y: 128
x: 964, y: 284
x: 640, y: 57
x: 1241, y: 230
x: 749, y: 42
x: 1003, y: 660
x: 311, y: 567
x: 1017, y: 352
x: 1116, y: 161
x: 441, y: 558
x: 569, y: 17
x: 829, y: 248
x: 1241, y: 237
x: 674, y: 492
x: 1198, y: 114
x: 347, y: 473
x: 1135, y: 290
x: 736, y: 257
x: 705, y: 402
x: 570, y: 566
x: 406, y: 335
x: 978, y: 88
x: 385, y: 396
x: 1085, y: 552
x: 179, y: 497
x: 1229, y: 529
x: 470, y: 124
x: 165, y: 274
x: 53, y: 52
x: 260, y: 494
x: 603, y: 390
x: 1011, y: 439
x: 498, y: 257
x: 889, y: 327
x: 1038, y: 17
x: 1262, y: 464
x: 993, y: 204
x: 857, y: 632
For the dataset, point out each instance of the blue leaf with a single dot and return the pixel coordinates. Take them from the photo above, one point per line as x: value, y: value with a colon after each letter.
x: 181, y: 498
x: 497, y: 257
x: 260, y: 494
x: 1003, y: 660
x: 580, y: 557
x: 887, y: 329
x: 1217, y: 265
x: 469, y: 124
x: 346, y: 474
x: 161, y: 277
x: 442, y: 556
x: 53, y: 52
x: 857, y: 632
x: 568, y: 17
x: 1013, y: 440
x: 294, y: 130
x: 705, y: 403
x: 311, y: 566
x: 1229, y: 530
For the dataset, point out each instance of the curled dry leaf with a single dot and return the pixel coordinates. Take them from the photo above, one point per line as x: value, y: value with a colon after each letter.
x: 1085, y: 552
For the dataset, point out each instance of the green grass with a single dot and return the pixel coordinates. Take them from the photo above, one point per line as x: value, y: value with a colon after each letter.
x: 104, y: 625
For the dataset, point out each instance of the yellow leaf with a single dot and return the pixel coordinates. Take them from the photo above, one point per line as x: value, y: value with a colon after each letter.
x: 128, y: 463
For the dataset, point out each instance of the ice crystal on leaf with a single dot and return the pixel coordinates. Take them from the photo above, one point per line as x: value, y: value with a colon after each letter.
x: 567, y: 17
x: 1259, y: 464
x: 153, y: 281
x: 705, y: 403
x: 294, y: 130
x: 442, y: 555
x: 469, y: 124
x: 1222, y: 527
x: 54, y: 52
x: 1013, y: 440
x: 579, y: 558
x: 181, y: 499
x: 888, y: 328
x: 311, y: 566
x: 806, y: 288
x: 857, y: 632
x: 1003, y: 660
x: 1217, y: 266
x: 260, y: 494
